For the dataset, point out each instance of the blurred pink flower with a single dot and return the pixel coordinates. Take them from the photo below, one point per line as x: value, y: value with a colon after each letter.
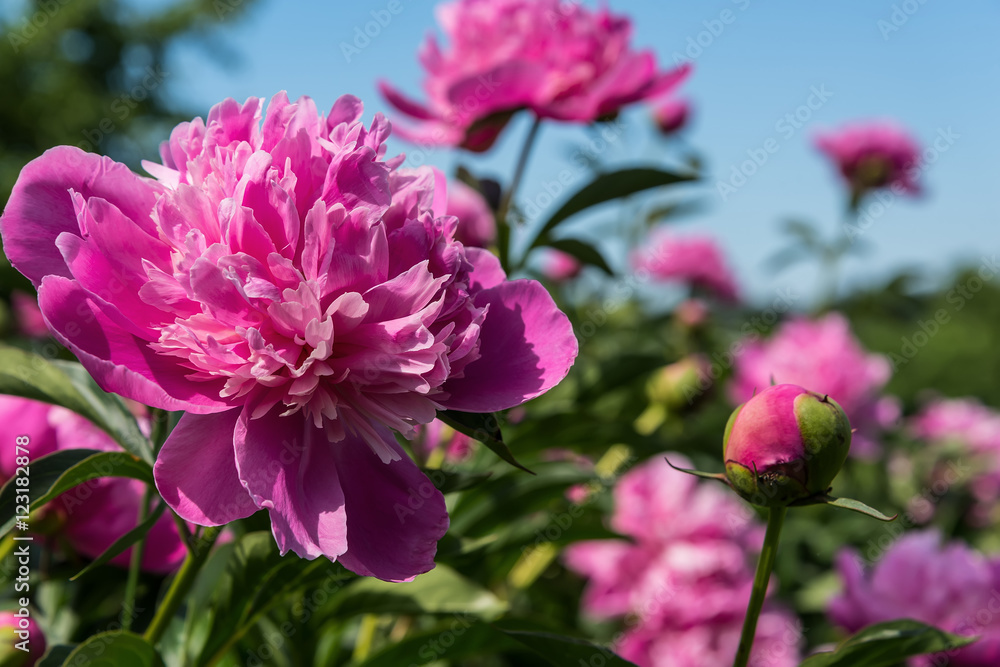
x: 975, y: 429
x: 823, y: 356
x: 100, y: 511
x: 696, y: 261
x: 476, y: 225
x: 671, y: 114
x: 692, y: 312
x: 949, y: 586
x: 872, y: 155
x: 560, y: 60
x: 29, y: 317
x: 684, y: 581
x: 20, y: 630
x: 559, y: 266
x: 299, y: 297
x: 436, y: 435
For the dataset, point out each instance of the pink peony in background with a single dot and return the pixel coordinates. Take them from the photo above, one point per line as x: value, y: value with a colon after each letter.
x: 455, y: 447
x: 873, y: 154
x: 823, y: 356
x: 671, y: 114
x: 29, y: 317
x: 947, y: 585
x: 683, y: 581
x: 10, y: 627
x: 696, y: 261
x: 560, y: 60
x: 970, y: 430
x: 559, y: 266
x: 476, y: 225
x: 97, y: 513
x: 299, y: 297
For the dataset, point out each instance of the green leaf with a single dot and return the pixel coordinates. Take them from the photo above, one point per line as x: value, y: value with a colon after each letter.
x: 561, y: 650
x: 256, y: 577
x: 484, y: 427
x: 607, y: 187
x: 114, y: 649
x: 450, y: 481
x: 67, y: 384
x: 123, y: 542
x: 886, y: 644
x: 583, y: 252
x: 456, y: 639
x: 55, y: 656
x: 847, y: 504
x: 440, y: 591
x: 60, y: 471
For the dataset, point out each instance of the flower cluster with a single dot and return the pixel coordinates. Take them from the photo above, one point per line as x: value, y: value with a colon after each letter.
x: 824, y: 356
x: 96, y: 514
x: 560, y: 60
x: 684, y: 581
x: 948, y: 586
x: 299, y: 297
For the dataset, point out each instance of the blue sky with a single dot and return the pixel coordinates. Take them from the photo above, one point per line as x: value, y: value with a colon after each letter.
x: 936, y: 73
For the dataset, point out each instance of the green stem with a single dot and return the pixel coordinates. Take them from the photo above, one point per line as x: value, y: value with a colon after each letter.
x: 503, y: 224
x: 135, y: 565
x: 775, y: 517
x: 181, y: 585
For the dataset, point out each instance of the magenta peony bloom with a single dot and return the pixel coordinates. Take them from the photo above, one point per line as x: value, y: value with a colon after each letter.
x: 684, y: 580
x: 695, y: 261
x: 671, y: 114
x: 975, y: 430
x: 476, y: 225
x: 560, y: 60
x: 872, y: 155
x: 96, y: 513
x: 824, y: 356
x: 559, y: 266
x: 17, y: 632
x: 299, y: 297
x: 949, y: 586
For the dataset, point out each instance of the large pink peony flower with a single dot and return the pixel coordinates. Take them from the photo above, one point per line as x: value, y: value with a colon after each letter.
x: 683, y: 582
x: 949, y: 586
x: 300, y: 298
x: 558, y: 59
x: 99, y: 512
x: 872, y: 155
x: 696, y: 261
x: 825, y: 357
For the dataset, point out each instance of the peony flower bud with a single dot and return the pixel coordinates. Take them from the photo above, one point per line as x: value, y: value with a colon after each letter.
x: 784, y: 445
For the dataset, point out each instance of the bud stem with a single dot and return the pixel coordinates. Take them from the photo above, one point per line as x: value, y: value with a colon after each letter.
x: 775, y: 517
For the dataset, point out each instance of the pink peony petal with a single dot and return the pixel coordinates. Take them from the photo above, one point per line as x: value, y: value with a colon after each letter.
x: 118, y: 358
x: 41, y: 206
x: 527, y: 347
x: 395, y: 514
x: 288, y: 467
x: 196, y: 473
